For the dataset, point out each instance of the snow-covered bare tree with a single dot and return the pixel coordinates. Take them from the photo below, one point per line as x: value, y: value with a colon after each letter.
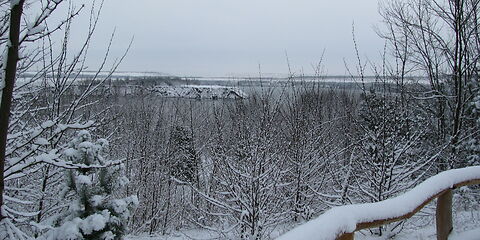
x: 244, y: 188
x: 39, y: 109
x: 310, y: 141
x: 391, y: 151
x: 439, y: 39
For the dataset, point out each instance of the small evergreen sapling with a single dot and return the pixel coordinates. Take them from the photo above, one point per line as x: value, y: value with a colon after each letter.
x: 473, y: 144
x: 185, y: 157
x: 94, y: 211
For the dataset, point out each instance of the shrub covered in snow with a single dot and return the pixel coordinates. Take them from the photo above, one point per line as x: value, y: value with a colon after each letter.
x: 94, y: 212
x: 473, y: 144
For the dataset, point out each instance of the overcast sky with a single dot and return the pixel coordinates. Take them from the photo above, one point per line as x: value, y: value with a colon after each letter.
x: 226, y: 37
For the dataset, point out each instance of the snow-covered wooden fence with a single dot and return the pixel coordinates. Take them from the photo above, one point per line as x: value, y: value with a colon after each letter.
x: 341, y: 223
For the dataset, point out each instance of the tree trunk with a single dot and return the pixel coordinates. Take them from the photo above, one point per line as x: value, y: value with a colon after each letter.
x: 7, y: 91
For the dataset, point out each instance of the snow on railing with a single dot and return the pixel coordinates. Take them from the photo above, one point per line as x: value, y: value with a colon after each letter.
x: 341, y: 222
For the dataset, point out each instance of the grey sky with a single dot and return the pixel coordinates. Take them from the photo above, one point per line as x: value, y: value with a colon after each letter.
x: 226, y: 37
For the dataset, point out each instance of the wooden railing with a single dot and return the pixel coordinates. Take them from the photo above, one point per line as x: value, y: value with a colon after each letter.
x: 331, y: 226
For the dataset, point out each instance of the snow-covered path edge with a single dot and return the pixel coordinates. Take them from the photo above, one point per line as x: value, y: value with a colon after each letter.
x: 346, y: 219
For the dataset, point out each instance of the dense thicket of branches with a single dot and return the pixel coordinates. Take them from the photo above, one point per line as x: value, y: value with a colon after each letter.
x: 283, y: 155
x: 286, y: 154
x: 439, y: 39
x: 40, y: 111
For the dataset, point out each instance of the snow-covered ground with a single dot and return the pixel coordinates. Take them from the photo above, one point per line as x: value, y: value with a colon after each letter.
x: 345, y: 218
x: 180, y: 235
x: 466, y: 227
x: 466, y: 215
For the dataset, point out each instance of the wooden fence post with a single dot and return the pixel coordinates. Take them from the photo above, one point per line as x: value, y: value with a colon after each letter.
x: 346, y: 236
x: 444, y: 215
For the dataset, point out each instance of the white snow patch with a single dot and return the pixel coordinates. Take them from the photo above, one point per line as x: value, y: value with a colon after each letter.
x: 70, y: 152
x: 95, y: 222
x: 36, y: 30
x: 123, y: 181
x: 108, y: 236
x: 134, y: 200
x: 85, y: 145
x: 96, y: 200
x: 69, y: 230
x: 41, y: 141
x: 468, y: 235
x: 82, y: 179
x: 47, y: 124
